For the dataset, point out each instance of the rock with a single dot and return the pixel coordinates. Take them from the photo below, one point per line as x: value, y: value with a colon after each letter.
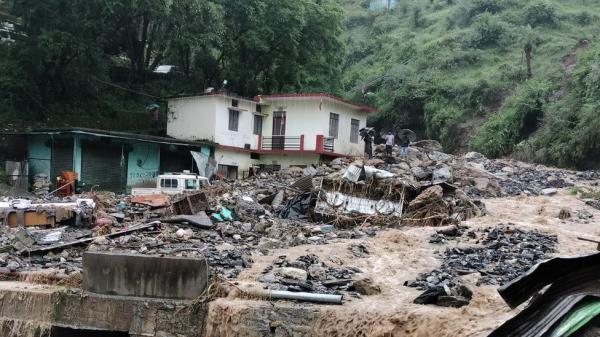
x: 420, y: 173
x: 564, y: 214
x: 237, y: 237
x: 481, y: 183
x: 13, y: 265
x: 474, y: 156
x: 439, y: 156
x: 261, y: 227
x: 442, y: 174
x: 584, y: 214
x: 508, y: 170
x: 429, y: 145
x: 292, y: 273
x: 403, y: 166
x: 246, y: 227
x: 366, y: 286
x: 549, y: 191
x: 269, y: 243
x: 340, y: 161
x: 452, y: 301
x: 317, y: 272
x: 184, y: 234
x: 101, y: 240
x: 374, y: 162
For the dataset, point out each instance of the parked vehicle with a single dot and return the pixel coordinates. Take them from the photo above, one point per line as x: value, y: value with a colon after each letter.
x: 174, y: 183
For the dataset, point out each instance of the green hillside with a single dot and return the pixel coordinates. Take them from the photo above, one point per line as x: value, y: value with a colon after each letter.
x: 457, y: 71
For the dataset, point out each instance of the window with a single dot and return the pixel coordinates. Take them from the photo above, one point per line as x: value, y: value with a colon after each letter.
x: 234, y: 117
x: 258, y: 124
x: 235, y: 103
x: 334, y: 124
x: 258, y: 108
x: 191, y: 184
x: 354, y: 126
x: 168, y: 183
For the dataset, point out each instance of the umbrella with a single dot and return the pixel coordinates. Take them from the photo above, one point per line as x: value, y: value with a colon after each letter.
x: 412, y: 136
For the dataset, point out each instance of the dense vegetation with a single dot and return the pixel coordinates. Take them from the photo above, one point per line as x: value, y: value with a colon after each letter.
x: 92, y: 61
x: 502, y: 77
x: 503, y: 68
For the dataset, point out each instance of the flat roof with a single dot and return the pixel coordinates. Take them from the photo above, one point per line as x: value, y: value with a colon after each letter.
x: 257, y: 99
x: 224, y: 94
x: 361, y: 107
x: 113, y: 134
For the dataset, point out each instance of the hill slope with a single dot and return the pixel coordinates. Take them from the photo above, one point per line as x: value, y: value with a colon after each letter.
x: 445, y: 67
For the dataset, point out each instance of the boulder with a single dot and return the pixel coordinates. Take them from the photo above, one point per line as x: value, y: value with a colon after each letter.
x: 292, y: 273
x: 366, y: 286
x: 429, y: 145
x: 421, y: 173
x: 317, y: 272
x: 442, y: 174
x: 474, y: 156
x: 549, y: 191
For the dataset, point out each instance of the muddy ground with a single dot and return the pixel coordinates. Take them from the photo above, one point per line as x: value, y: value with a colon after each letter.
x: 399, y: 255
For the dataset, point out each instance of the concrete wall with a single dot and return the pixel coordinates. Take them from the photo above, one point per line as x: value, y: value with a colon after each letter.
x: 303, y: 117
x: 235, y: 158
x: 192, y: 118
x: 143, y: 164
x: 144, y: 276
x: 207, y: 117
x: 35, y: 308
x: 39, y: 155
x: 244, y: 135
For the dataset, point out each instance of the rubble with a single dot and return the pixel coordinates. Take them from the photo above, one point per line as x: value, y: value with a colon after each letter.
x: 308, y: 273
x: 229, y: 223
x: 498, y: 254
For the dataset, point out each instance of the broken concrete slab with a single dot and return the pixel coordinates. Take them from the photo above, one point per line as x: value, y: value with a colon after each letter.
x: 144, y: 276
x: 200, y: 220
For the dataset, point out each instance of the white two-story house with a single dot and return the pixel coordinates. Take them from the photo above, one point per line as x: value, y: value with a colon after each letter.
x: 282, y: 130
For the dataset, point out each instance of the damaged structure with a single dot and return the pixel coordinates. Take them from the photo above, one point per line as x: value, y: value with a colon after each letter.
x: 271, y: 130
x: 108, y: 160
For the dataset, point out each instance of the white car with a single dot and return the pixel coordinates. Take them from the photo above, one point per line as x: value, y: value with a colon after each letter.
x: 174, y: 183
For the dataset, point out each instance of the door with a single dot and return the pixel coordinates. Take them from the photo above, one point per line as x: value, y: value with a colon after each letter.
x: 62, y: 157
x: 103, y: 165
x: 278, y: 130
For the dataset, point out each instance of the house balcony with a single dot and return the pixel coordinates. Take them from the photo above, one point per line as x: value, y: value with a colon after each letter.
x: 283, y: 144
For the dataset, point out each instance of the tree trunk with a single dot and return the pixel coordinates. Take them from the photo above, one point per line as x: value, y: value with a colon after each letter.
x: 528, y: 48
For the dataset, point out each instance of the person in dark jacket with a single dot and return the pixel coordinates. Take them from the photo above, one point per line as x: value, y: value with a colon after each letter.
x: 367, y: 136
x: 404, y: 143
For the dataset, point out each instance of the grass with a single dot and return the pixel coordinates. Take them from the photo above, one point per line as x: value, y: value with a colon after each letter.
x: 459, y: 60
x: 585, y: 192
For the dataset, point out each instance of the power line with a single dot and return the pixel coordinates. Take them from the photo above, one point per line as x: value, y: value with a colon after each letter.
x: 123, y: 88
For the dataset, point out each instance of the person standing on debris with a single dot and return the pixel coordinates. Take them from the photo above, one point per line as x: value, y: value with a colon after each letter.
x: 367, y: 136
x: 389, y: 143
x: 404, y: 143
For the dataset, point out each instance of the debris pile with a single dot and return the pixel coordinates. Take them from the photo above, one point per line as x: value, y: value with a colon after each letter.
x: 307, y: 273
x: 499, y: 254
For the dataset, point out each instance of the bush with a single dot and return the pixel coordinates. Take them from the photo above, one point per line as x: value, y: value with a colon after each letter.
x: 470, y: 9
x: 540, y: 13
x: 514, y: 122
x: 487, y: 31
x: 441, y: 118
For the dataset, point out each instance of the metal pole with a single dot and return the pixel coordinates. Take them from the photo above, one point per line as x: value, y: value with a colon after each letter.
x: 299, y: 296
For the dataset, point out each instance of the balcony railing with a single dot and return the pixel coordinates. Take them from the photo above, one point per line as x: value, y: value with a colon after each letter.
x: 282, y: 143
x: 328, y: 144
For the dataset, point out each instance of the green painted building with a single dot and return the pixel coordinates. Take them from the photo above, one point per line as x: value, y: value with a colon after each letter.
x: 109, y: 160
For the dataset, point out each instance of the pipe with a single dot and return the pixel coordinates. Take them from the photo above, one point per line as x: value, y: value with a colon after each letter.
x: 299, y: 296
